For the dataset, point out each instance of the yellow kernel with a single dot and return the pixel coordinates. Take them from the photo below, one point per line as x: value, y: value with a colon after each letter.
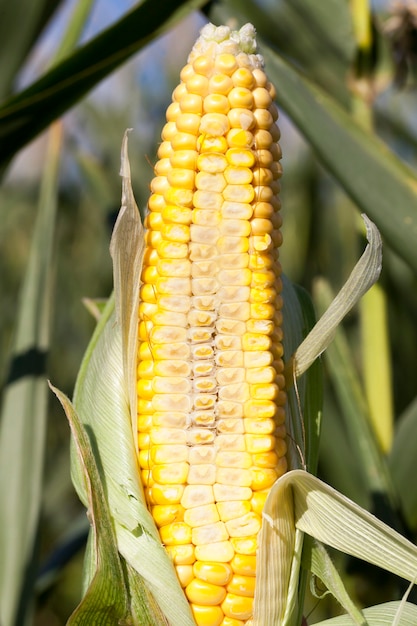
x: 188, y: 123
x: 212, y: 163
x: 181, y: 554
x: 216, y: 103
x: 243, y: 77
x: 172, y: 111
x: 258, y: 501
x: 144, y: 460
x: 207, y: 615
x: 166, y: 494
x: 238, y: 607
x: 262, y: 139
x: 241, y: 97
x: 262, y: 176
x: 205, y: 593
x: 242, y: 585
x: 201, y: 515
x: 215, y: 573
x: 263, y: 118
x: 156, y: 202
x: 241, y: 118
x: 179, y: 233
x: 239, y: 138
x: 165, y: 150
x: 162, y: 167
x: 259, y: 443
x: 184, y: 159
x: 226, y: 63
x: 245, y: 545
x: 220, y: 83
x: 185, y: 574
x: 144, y: 388
x: 232, y: 510
x: 244, y: 565
x: 176, y: 214
x: 258, y: 426
x: 237, y: 157
x: 170, y: 473
x: 230, y: 621
x: 177, y: 533
x: 239, y: 193
x: 210, y: 143
x: 263, y: 478
x: 262, y: 98
x: 203, y: 65
x: 198, y: 85
x: 214, y: 124
x: 168, y: 131
x: 164, y: 514
x: 184, y: 141
x: 191, y: 103
x: 186, y: 72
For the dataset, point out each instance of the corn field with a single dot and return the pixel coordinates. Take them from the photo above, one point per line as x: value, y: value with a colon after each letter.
x: 106, y: 514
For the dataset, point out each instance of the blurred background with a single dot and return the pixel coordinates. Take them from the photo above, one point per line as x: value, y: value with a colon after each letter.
x: 357, y: 62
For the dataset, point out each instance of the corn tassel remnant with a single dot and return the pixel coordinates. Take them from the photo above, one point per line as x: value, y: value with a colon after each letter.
x: 210, y: 370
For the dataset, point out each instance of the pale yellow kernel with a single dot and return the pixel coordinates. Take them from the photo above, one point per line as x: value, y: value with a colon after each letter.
x: 179, y: 233
x: 170, y: 351
x: 263, y: 118
x: 176, y: 533
x: 172, y: 250
x: 197, y: 317
x: 228, y: 493
x: 215, y: 125
x: 185, y: 574
x: 178, y: 268
x: 197, y: 495
x: 172, y: 112
x: 259, y: 443
x: 230, y: 425
x: 209, y: 200
x: 241, y: 118
x: 201, y: 287
x: 260, y: 374
x: 202, y: 455
x: 220, y: 83
x: 259, y: 409
x: 170, y: 473
x: 212, y: 162
x: 241, y: 97
x: 206, y: 181
x: 259, y: 426
x: 238, y: 175
x: 236, y: 210
x: 164, y: 514
x: 202, y: 351
x: 207, y: 384
x: 262, y: 98
x: 238, y: 607
x: 227, y: 409
x: 207, y: 615
x: 234, y: 476
x: 239, y: 193
x: 233, y: 509
x: 241, y: 460
x: 169, y: 436
x: 184, y: 141
x: 226, y: 63
x: 264, y: 391
x: 197, y: 84
x: 234, y: 227
x: 239, y: 138
x: 174, y: 367
x: 179, y: 196
x: 210, y: 143
x: 191, y: 103
x: 262, y: 139
x: 243, y: 77
x: 242, y: 585
x: 209, y: 533
x: 235, y: 277
x: 204, y: 593
x: 244, y: 565
x: 162, y: 167
x: 235, y: 310
x: 216, y: 103
x: 230, y: 358
x: 230, y: 327
x: 256, y: 342
x: 202, y: 474
x: 186, y: 72
x: 169, y: 453
x: 260, y: 77
x: 201, y: 515
x: 203, y: 65
x: 165, y: 494
x: 245, y: 545
x: 263, y: 478
x: 181, y: 554
x: 220, y: 552
x: 215, y: 573
x: 204, y: 234
x: 156, y: 202
x: 202, y: 417
x: 204, y: 401
x: 188, y: 123
x: 178, y: 303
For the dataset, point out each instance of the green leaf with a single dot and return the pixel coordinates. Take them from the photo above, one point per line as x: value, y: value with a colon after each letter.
x: 24, y: 410
x: 381, y: 185
x: 27, y: 114
x: 380, y: 615
x: 106, y: 601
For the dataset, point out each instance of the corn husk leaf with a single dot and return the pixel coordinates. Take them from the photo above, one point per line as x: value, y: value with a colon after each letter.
x: 24, y: 408
x: 106, y: 600
x: 365, y: 273
x: 103, y: 399
x: 387, y: 614
x: 301, y: 501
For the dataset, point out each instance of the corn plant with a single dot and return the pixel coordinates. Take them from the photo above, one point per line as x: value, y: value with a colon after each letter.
x: 137, y: 423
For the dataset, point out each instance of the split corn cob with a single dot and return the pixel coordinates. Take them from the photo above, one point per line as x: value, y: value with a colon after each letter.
x: 210, y: 370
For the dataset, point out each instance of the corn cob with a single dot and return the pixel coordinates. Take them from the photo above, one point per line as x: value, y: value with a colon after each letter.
x: 210, y: 370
